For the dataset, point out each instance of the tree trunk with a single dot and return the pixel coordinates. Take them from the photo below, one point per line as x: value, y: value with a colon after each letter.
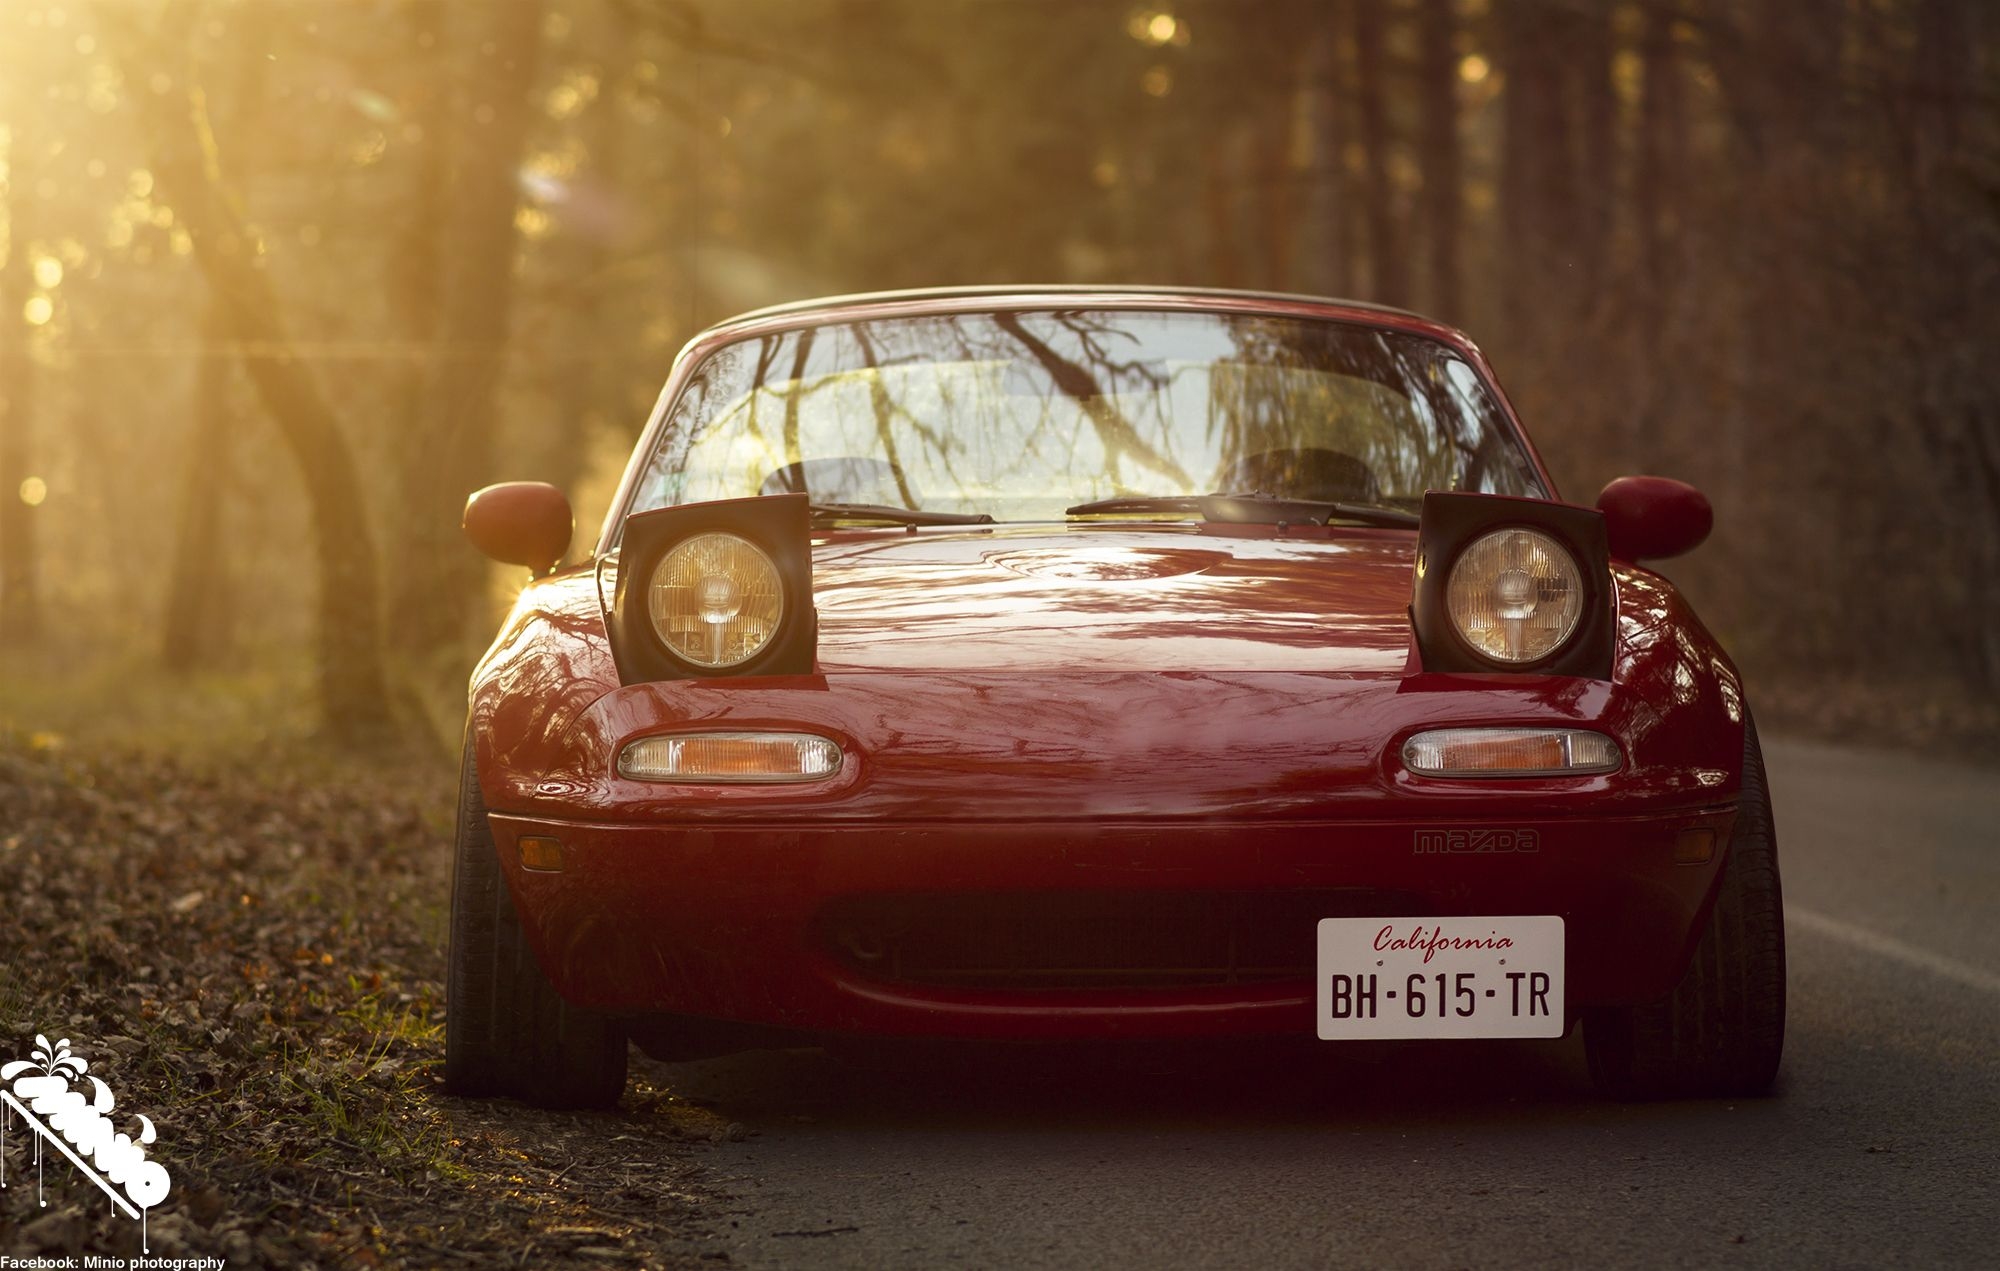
x: 354, y: 702
x: 20, y: 582
x: 1537, y: 180
x: 1321, y: 266
x: 1387, y: 269
x: 1949, y: 341
x: 1349, y: 245
x: 1659, y: 171
x: 1439, y: 80
x: 195, y: 630
x: 439, y: 582
x: 415, y: 262
x: 1218, y: 198
x: 1596, y: 112
x: 1278, y: 208
x: 582, y: 387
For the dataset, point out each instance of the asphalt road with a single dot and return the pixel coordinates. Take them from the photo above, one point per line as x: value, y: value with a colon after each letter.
x: 1881, y: 1148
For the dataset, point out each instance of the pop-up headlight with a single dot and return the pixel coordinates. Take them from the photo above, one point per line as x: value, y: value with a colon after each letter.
x: 1512, y: 584
x: 714, y: 589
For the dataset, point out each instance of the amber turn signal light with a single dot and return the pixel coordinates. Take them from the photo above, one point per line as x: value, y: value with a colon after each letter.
x: 1694, y: 847
x: 731, y: 758
x: 1510, y: 752
x: 540, y: 853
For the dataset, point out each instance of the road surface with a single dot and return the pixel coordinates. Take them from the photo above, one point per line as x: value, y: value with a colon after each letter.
x: 1882, y: 1147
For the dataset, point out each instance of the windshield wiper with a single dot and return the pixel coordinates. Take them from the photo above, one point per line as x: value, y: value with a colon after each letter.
x: 826, y: 513
x: 1263, y: 509
x: 1249, y: 509
x: 1185, y: 503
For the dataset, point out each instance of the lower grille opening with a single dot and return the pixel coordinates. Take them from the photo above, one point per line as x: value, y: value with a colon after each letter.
x: 1093, y: 940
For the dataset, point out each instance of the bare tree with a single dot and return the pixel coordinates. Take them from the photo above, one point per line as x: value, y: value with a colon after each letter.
x: 1660, y: 164
x: 1537, y: 177
x: 196, y: 627
x: 1588, y: 45
x: 1389, y: 272
x: 591, y: 218
x: 415, y: 261
x: 1322, y: 267
x: 1439, y: 90
x: 354, y: 701
x: 197, y: 624
x: 438, y: 582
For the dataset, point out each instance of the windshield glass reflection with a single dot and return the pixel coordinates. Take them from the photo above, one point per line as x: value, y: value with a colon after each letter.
x: 1019, y: 415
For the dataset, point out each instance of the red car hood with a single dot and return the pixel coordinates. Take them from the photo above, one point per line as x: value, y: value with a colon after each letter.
x: 1114, y: 599
x: 1210, y: 671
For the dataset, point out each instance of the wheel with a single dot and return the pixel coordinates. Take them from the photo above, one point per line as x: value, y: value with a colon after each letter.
x: 506, y: 1030
x: 1720, y: 1033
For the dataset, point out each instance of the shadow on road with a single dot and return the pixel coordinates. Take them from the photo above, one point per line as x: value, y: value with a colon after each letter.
x: 1041, y: 1087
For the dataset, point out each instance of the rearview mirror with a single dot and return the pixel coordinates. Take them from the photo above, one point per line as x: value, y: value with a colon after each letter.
x: 520, y: 523
x: 1652, y: 518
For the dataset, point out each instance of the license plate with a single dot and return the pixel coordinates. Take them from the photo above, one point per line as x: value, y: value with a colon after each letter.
x: 1440, y: 977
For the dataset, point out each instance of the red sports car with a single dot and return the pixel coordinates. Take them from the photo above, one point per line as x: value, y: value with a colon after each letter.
x: 1103, y: 663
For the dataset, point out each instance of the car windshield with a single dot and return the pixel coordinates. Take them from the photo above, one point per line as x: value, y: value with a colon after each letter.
x: 1020, y: 415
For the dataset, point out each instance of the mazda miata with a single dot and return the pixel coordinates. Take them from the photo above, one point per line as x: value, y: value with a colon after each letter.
x: 1103, y: 663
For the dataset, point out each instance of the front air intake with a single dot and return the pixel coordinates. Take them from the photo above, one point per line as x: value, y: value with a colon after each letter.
x: 1025, y: 941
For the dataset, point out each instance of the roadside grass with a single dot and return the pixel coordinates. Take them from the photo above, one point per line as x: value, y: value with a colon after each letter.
x: 382, y: 1106
x: 105, y: 701
x: 258, y: 713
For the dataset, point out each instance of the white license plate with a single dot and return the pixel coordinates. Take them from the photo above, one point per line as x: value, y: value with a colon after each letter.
x: 1440, y: 977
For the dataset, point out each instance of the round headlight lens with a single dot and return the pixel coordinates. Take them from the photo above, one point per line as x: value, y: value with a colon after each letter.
x: 1515, y: 595
x: 716, y: 600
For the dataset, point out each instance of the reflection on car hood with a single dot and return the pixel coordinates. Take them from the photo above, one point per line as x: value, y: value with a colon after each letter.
x: 1102, y: 598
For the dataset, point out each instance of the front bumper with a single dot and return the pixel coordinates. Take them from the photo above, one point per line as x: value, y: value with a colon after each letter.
x: 741, y: 921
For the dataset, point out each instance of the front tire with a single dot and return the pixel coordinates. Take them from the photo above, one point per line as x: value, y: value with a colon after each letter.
x: 507, y: 1032
x: 1720, y: 1033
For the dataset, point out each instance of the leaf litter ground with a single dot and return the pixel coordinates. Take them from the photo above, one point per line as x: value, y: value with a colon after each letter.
x: 255, y: 963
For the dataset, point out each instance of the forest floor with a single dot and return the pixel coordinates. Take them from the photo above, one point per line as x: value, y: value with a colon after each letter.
x: 253, y: 959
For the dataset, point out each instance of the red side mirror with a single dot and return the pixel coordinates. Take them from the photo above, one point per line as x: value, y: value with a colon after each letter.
x: 1652, y: 518
x: 520, y: 523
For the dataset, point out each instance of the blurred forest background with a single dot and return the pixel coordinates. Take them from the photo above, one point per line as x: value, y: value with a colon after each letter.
x: 283, y: 280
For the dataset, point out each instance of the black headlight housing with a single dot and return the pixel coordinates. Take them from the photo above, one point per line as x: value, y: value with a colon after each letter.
x: 777, y: 527
x: 1453, y: 522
